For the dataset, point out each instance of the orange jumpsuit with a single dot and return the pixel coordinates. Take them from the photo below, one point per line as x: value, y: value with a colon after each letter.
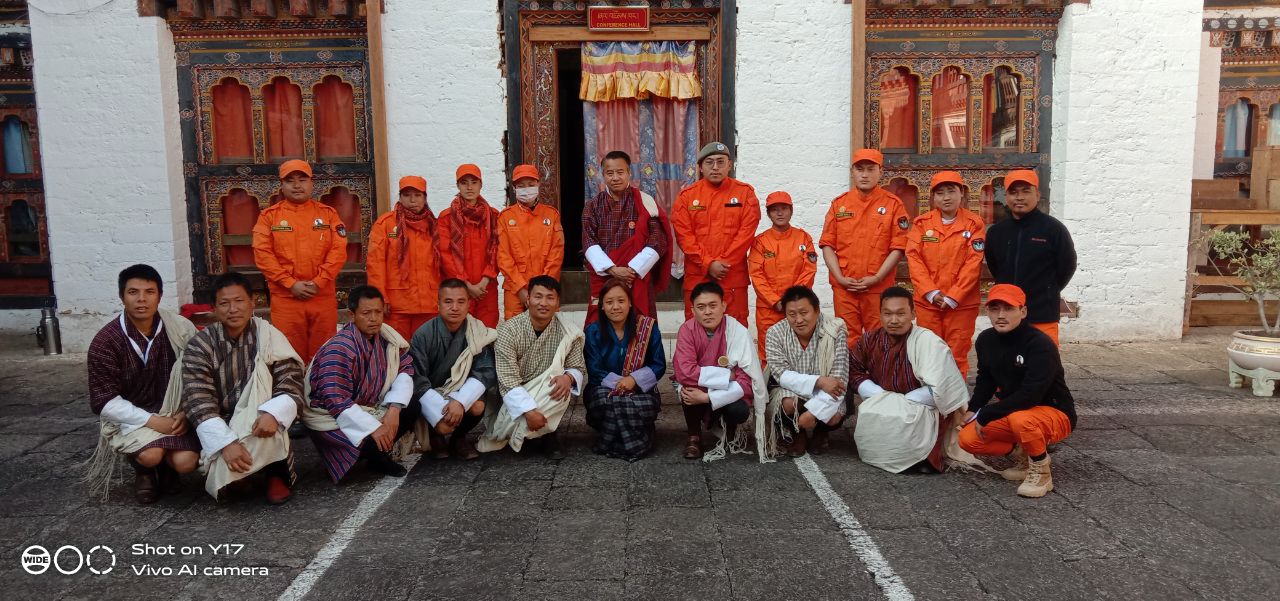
x: 779, y: 261
x: 295, y: 242
x: 471, y: 266
x: 717, y: 223
x: 948, y: 258
x: 863, y: 229
x: 530, y: 244
x: 411, y: 285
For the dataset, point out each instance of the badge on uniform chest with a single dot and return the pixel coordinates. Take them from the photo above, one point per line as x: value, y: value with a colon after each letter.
x: 843, y: 213
x: 283, y: 227
x: 697, y: 206
x: 319, y: 224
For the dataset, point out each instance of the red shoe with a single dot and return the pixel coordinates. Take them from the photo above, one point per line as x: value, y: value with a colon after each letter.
x: 277, y: 491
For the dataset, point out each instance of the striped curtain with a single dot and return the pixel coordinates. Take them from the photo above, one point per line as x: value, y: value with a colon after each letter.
x: 641, y: 98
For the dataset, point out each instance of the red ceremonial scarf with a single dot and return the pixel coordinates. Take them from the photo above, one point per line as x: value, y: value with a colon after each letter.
x: 478, y: 217
x: 422, y: 224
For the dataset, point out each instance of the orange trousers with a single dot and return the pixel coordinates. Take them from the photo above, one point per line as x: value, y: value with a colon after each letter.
x: 511, y: 305
x: 955, y: 326
x: 308, y: 324
x: 735, y: 300
x: 408, y: 323
x: 860, y: 312
x: 1050, y: 328
x: 486, y: 309
x: 1035, y: 429
x: 765, y: 318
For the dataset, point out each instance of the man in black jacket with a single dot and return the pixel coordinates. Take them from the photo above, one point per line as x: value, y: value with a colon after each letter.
x: 1032, y: 251
x: 1021, y: 402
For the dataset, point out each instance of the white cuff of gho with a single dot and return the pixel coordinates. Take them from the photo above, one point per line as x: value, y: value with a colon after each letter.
x: 432, y: 406
x: 720, y: 398
x: 714, y: 378
x: 214, y: 435
x: 356, y: 424
x: 868, y: 389
x: 576, y: 389
x: 281, y: 407
x: 518, y: 401
x: 644, y: 261
x: 127, y: 416
x: 401, y: 391
x: 822, y: 406
x: 801, y: 384
x: 470, y: 392
x: 921, y: 396
x: 599, y: 260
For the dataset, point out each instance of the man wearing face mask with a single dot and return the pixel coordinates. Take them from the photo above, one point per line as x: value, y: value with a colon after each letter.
x: 1032, y: 251
x: 530, y: 241
x: 715, y: 220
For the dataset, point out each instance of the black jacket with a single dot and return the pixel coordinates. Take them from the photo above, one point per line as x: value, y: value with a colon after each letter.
x: 1023, y: 370
x: 1036, y: 254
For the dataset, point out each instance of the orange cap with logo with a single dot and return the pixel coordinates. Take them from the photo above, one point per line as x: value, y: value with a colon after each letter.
x: 468, y: 169
x: 1024, y: 176
x: 947, y: 177
x: 868, y: 154
x: 524, y: 171
x: 777, y: 198
x: 417, y: 182
x: 1008, y: 294
x: 294, y: 165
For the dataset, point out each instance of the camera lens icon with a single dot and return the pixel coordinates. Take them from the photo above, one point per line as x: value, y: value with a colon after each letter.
x: 36, y: 560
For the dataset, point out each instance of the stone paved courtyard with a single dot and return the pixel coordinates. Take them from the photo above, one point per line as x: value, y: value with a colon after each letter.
x: 1169, y: 489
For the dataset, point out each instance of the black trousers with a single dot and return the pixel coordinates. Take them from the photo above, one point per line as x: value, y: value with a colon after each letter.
x: 734, y: 413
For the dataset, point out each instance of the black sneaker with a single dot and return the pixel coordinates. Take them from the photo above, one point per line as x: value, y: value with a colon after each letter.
x: 382, y: 464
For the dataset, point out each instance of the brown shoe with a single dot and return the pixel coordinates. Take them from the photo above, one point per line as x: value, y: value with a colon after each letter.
x: 439, y: 446
x: 277, y: 491
x: 693, y: 448
x: 819, y: 442
x: 462, y: 448
x: 144, y: 487
x: 797, y: 446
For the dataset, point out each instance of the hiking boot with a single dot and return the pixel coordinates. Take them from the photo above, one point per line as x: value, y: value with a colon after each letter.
x: 383, y: 464
x: 277, y: 491
x: 552, y: 448
x: 819, y: 442
x: 797, y: 446
x: 439, y: 447
x: 1018, y: 472
x: 1039, y: 480
x: 462, y: 448
x: 144, y: 487
x: 693, y: 448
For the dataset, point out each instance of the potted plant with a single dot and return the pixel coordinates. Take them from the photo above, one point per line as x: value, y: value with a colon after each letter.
x: 1255, y: 264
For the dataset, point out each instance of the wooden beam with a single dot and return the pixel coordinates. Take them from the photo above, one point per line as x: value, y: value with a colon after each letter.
x: 193, y: 9
x: 378, y: 102
x: 659, y: 33
x: 858, y: 80
x: 302, y: 8
x: 1235, y: 217
x: 263, y: 8
x: 150, y: 8
x: 340, y: 8
x: 226, y: 9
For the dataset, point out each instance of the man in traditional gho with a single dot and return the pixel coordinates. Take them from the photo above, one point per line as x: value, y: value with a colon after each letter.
x: 467, y: 237
x: 809, y: 370
x: 715, y: 221
x: 781, y: 257
x: 360, y: 391
x: 1021, y: 403
x: 136, y: 392
x: 530, y: 240
x: 454, y: 373
x: 625, y: 360
x: 718, y: 379
x: 910, y: 388
x: 540, y: 368
x: 403, y: 262
x: 627, y: 236
x: 242, y: 387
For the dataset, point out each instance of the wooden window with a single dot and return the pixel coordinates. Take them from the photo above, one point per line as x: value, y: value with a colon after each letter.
x: 1237, y: 130
x: 909, y: 194
x: 951, y: 109
x: 232, y: 122
x: 283, y: 102
x: 1001, y: 97
x: 18, y: 159
x: 239, y: 214
x: 898, y: 110
x: 335, y: 120
x: 23, y: 230
x: 348, y: 207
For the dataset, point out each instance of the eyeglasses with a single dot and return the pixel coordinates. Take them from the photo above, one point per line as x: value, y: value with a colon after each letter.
x: 715, y: 162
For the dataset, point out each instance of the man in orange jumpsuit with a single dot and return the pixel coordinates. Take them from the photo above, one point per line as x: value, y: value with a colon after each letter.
x: 862, y: 240
x: 403, y: 262
x: 467, y: 238
x: 781, y: 257
x: 715, y: 221
x: 300, y: 245
x: 530, y: 241
x: 944, y: 252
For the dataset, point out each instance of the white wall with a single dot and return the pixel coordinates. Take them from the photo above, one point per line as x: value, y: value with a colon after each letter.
x: 1207, y: 109
x: 445, y: 95
x: 111, y: 155
x: 793, y: 107
x: 1120, y: 172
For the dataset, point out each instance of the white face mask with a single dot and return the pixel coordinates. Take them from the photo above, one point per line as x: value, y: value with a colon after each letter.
x: 527, y: 195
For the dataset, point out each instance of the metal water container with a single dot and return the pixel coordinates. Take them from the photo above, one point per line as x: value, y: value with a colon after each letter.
x: 48, y: 333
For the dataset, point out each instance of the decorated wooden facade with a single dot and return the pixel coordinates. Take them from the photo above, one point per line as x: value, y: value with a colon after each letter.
x: 25, y: 274
x: 963, y: 85
x: 1248, y: 92
x: 258, y: 83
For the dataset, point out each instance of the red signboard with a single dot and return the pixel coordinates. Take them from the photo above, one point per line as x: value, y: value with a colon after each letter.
x: 618, y: 18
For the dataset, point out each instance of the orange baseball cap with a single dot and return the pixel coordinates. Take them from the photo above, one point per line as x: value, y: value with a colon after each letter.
x: 1025, y: 176
x: 947, y: 177
x: 868, y: 154
x: 468, y: 169
x: 417, y: 182
x: 523, y: 171
x: 293, y: 165
x: 777, y: 198
x: 1008, y: 294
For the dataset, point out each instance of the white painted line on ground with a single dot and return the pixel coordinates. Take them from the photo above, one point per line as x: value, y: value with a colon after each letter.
x: 888, y: 581
x: 332, y: 550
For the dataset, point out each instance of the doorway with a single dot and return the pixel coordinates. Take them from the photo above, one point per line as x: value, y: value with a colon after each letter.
x: 572, y: 156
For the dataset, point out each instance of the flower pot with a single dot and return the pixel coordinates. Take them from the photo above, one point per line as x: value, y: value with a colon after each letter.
x: 1254, y: 355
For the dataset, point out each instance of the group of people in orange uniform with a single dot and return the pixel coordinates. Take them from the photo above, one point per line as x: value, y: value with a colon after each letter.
x: 300, y: 245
